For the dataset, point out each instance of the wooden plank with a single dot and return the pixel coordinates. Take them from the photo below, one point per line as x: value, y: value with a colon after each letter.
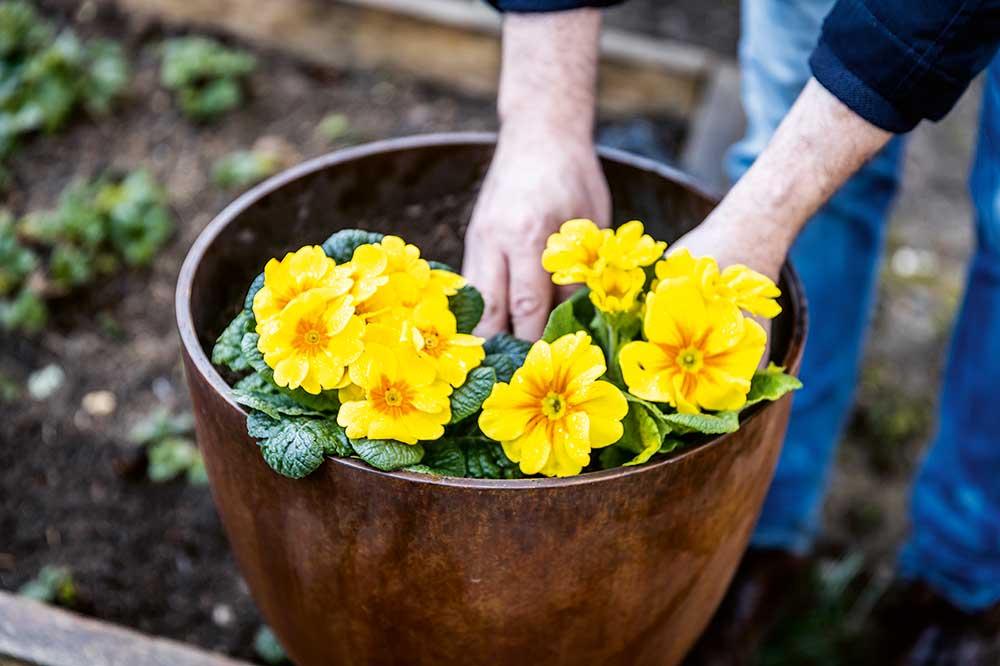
x: 450, y: 41
x: 33, y: 634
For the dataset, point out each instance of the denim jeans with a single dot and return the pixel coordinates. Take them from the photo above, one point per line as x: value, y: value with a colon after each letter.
x: 955, y: 507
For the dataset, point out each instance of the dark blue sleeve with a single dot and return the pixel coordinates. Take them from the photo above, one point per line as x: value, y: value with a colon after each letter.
x: 548, y: 5
x: 897, y: 62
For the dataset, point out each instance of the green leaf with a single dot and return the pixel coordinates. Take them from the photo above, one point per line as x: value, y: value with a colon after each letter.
x: 670, y: 444
x: 503, y: 364
x: 467, y: 305
x: 139, y: 221
x: 294, y: 446
x: 26, y: 313
x: 485, y: 459
x: 244, y: 168
x: 16, y: 260
x: 387, y: 454
x: 255, y: 286
x: 614, y: 456
x: 505, y: 343
x: 228, y: 349
x: 468, y: 398
x: 771, y: 384
x: 326, y: 401
x: 709, y: 424
x: 341, y: 245
x: 274, y: 405
x: 161, y: 424
x: 561, y: 322
x: 70, y: 266
x: 171, y: 457
x: 52, y: 585
x: 266, y: 645
x: 642, y: 433
x: 442, y: 458
x: 334, y: 126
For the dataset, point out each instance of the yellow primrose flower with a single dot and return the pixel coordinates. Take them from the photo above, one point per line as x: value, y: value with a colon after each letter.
x: 432, y: 330
x: 554, y: 411
x: 630, y: 248
x: 311, y: 341
x: 410, y: 278
x: 367, y: 270
x: 700, y: 354
x: 398, y: 396
x: 746, y: 288
x: 301, y: 271
x: 572, y: 254
x: 616, y: 290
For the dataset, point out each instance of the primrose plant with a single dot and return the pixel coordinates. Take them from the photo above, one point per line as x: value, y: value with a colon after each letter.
x: 207, y: 77
x: 97, y: 227
x: 362, y: 348
x: 45, y: 75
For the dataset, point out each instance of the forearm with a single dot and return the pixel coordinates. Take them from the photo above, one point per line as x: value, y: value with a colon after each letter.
x: 549, y: 72
x: 820, y: 144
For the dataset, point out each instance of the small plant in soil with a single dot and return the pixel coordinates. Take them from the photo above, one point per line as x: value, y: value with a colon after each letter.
x: 207, y: 77
x: 362, y: 348
x: 52, y: 585
x: 170, y: 451
x: 97, y: 227
x: 47, y: 75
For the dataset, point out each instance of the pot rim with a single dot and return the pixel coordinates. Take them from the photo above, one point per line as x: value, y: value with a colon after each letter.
x: 203, y: 365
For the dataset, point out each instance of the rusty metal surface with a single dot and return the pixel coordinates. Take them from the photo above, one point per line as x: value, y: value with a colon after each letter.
x: 356, y: 566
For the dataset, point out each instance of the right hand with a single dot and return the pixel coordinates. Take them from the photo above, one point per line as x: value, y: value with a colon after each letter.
x: 541, y: 176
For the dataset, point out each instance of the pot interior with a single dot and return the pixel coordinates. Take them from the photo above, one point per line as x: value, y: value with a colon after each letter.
x: 423, y: 190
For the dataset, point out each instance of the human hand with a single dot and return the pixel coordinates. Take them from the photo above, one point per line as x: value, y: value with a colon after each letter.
x: 540, y: 177
x: 545, y: 170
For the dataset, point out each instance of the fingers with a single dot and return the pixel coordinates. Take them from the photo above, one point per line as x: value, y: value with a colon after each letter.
x: 531, y: 293
x: 485, y: 267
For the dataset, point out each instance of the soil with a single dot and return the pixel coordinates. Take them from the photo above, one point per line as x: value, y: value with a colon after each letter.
x: 73, y: 491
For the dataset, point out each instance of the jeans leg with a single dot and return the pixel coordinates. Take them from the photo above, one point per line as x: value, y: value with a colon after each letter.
x: 955, y: 507
x: 836, y: 256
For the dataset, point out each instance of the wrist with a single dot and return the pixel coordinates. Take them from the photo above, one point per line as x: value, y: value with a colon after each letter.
x: 549, y: 75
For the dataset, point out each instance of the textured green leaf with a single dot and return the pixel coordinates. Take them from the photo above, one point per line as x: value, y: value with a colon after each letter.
x: 561, y: 322
x: 341, y: 245
x: 228, y: 349
x: 255, y: 286
x: 444, y: 458
x: 274, y: 405
x: 505, y: 343
x: 388, y: 455
x: 468, y: 398
x: 467, y: 306
x: 709, y: 424
x: 294, y: 446
x: 485, y: 459
x: 327, y: 401
x: 771, y: 384
x: 503, y: 364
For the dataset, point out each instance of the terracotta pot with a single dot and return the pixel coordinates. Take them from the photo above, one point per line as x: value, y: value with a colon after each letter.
x: 356, y: 566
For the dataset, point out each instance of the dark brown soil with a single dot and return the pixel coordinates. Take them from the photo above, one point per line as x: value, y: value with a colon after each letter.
x: 72, y: 490
x: 714, y: 24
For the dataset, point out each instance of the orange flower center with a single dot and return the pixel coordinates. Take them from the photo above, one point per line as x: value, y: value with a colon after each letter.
x: 432, y: 342
x: 690, y: 359
x: 554, y: 406
x: 391, y: 398
x: 311, y: 338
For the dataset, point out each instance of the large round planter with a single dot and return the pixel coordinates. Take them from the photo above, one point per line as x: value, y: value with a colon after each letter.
x: 356, y: 566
